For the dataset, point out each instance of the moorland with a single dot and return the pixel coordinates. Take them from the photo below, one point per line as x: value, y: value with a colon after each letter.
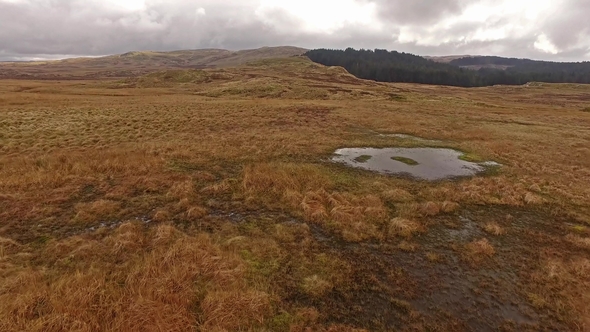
x: 206, y: 199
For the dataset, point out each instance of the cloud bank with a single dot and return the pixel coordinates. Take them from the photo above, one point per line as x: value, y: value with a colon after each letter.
x: 540, y: 29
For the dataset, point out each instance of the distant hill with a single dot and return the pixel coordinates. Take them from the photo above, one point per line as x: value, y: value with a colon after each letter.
x: 453, y: 59
x: 133, y: 64
x: 470, y: 71
x: 446, y: 58
x: 497, y: 61
x: 385, y: 66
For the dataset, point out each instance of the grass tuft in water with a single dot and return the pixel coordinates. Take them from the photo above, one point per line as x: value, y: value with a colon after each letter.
x: 363, y: 159
x: 405, y: 160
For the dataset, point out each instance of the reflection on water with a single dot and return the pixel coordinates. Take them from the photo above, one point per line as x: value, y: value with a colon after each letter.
x: 422, y: 163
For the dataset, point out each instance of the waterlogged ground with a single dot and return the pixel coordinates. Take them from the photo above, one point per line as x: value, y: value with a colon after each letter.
x: 421, y: 163
x: 433, y: 278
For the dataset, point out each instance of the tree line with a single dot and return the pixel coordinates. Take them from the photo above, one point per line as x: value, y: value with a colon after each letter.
x: 386, y: 66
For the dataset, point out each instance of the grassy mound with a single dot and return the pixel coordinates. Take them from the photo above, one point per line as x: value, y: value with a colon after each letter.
x: 172, y: 77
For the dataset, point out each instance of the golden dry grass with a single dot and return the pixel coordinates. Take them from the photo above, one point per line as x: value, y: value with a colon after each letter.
x: 316, y: 286
x: 479, y: 250
x: 569, y: 282
x: 407, y: 246
x: 402, y: 227
x: 116, y: 201
x: 131, y: 280
x: 494, y: 229
x: 583, y: 242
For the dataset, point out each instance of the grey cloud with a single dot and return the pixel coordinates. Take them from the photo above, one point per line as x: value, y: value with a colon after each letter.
x: 570, y: 24
x: 418, y: 12
x: 74, y: 27
x: 51, y: 28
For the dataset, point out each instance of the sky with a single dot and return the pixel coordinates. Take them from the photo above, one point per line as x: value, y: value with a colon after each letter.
x: 538, y: 29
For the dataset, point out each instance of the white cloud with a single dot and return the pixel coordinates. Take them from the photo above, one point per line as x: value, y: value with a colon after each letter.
x: 320, y: 16
x: 543, y: 44
x: 130, y: 5
x: 483, y: 21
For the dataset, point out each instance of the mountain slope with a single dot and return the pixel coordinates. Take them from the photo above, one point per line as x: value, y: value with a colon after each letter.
x: 385, y: 66
x: 133, y: 64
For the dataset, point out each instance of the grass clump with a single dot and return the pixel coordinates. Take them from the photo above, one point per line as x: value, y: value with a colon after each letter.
x: 315, y: 286
x: 433, y: 257
x: 402, y: 227
x: 449, y: 207
x: 494, y: 228
x: 530, y: 198
x: 479, y: 250
x: 432, y: 208
x: 407, y: 246
x: 405, y: 160
x: 96, y: 211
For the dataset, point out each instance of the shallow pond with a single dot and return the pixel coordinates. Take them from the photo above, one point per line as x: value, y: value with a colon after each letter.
x: 423, y: 163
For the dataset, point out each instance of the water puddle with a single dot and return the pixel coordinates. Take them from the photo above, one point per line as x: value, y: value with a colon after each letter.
x: 422, y: 163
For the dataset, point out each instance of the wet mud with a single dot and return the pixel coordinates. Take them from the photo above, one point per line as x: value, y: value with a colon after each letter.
x: 435, y: 287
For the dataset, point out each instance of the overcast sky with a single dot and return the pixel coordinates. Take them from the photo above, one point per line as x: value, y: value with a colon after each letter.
x: 540, y: 29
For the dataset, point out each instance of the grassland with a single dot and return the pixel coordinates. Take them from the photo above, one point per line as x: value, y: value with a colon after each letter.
x: 206, y: 201
x: 139, y: 63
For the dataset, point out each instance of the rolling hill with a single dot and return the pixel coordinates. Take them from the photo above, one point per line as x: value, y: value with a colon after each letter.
x: 133, y: 64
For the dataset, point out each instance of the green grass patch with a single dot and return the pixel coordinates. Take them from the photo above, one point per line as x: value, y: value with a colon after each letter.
x: 579, y: 228
x: 41, y: 241
x: 471, y: 157
x: 363, y: 159
x: 281, y: 322
x: 258, y: 266
x: 405, y: 160
x: 346, y: 180
x: 491, y: 171
x: 396, y: 97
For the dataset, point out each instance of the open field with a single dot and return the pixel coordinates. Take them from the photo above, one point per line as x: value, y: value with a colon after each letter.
x: 205, y: 200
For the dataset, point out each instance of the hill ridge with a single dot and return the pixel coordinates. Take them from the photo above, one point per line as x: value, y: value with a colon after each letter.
x: 137, y: 63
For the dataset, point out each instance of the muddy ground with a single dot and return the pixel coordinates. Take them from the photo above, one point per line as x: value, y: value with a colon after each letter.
x: 430, y: 283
